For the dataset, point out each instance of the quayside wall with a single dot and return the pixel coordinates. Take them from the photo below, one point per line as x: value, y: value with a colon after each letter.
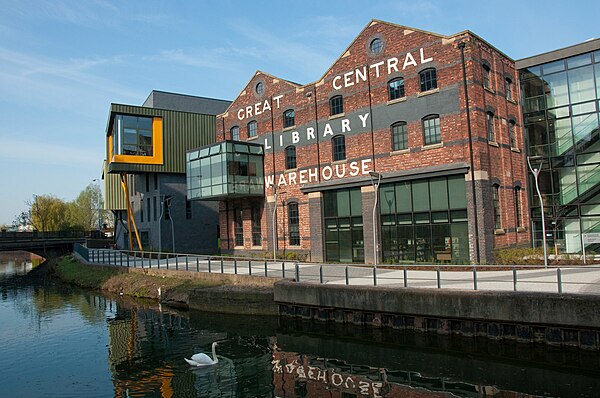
x: 551, y: 318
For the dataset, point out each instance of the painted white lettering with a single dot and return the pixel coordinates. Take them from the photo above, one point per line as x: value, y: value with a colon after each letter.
x: 295, y: 137
x: 361, y: 75
x: 266, y: 106
x: 292, y: 177
x: 345, y: 125
x: 365, y: 167
x: 267, y: 146
x: 337, y: 170
x: 277, y: 98
x: 409, y: 60
x: 347, y: 81
x: 313, y: 175
x: 392, y: 63
x: 240, y: 114
x: 303, y: 176
x: 376, y: 66
x: 354, y: 169
x: 363, y: 119
x: 248, y: 111
x: 327, y: 173
x: 281, y: 180
x: 423, y: 59
x: 269, y: 180
x: 335, y: 79
x: 257, y: 110
x: 328, y: 130
x: 310, y: 133
x: 281, y: 140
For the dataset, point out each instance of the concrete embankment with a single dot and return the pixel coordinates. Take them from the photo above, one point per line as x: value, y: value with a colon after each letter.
x: 555, y: 319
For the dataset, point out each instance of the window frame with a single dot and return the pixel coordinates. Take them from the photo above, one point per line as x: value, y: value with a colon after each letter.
x: 335, y: 107
x: 157, y: 143
x: 428, y: 79
x: 487, y: 76
x: 489, y: 126
x: 252, y: 131
x: 238, y: 226
x: 508, y: 88
x: 496, y: 206
x: 512, y: 137
x: 256, y: 216
x: 289, y: 121
x: 399, y: 132
x: 338, y: 148
x: 518, y: 217
x: 437, y: 128
x: 293, y: 211
x: 290, y: 159
x: 236, y: 129
x: 400, y: 90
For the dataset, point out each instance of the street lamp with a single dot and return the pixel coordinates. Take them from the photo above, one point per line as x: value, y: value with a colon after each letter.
x: 536, y: 173
x: 375, y: 180
x: 98, y: 204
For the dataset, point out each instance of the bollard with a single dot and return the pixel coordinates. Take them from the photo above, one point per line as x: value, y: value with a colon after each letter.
x: 439, y: 279
x: 265, y: 268
x: 374, y: 276
x: 221, y: 264
x: 250, y: 267
x: 297, y: 271
x: 283, y: 270
x: 515, y: 279
x: 235, y: 266
x: 474, y: 278
x: 209, y: 270
x: 321, y: 274
x: 559, y: 279
x: 405, y: 277
x: 346, y: 272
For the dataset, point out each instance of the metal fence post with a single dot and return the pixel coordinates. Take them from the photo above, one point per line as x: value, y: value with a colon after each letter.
x: 197, y: 264
x: 405, y: 277
x: 515, y: 279
x: 297, y: 271
x: 559, y: 279
x: 321, y: 274
x: 265, y: 268
x: 127, y: 259
x: 346, y: 272
x: 439, y: 278
x: 283, y: 270
x: 167, y: 261
x: 474, y: 278
x: 176, y: 262
x: 250, y: 267
x: 103, y: 260
x: 121, y: 259
x: 209, y: 265
x: 221, y: 264
x: 186, y: 262
x: 374, y: 276
x: 235, y: 266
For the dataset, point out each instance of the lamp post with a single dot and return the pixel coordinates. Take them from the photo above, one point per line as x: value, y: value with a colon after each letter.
x: 98, y: 204
x: 375, y: 180
x: 536, y: 173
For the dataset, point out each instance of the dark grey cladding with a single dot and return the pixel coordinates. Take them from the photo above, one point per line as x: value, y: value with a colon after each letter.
x: 185, y: 103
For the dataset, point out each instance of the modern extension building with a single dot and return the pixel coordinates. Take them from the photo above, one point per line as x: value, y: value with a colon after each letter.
x: 296, y: 165
x: 561, y: 99
x: 144, y: 173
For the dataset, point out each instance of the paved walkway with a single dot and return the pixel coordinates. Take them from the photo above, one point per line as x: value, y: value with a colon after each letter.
x: 570, y: 279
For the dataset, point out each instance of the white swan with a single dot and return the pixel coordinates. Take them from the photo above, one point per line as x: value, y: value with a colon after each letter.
x: 202, y: 359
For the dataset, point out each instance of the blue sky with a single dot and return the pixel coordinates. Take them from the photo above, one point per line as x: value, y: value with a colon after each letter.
x: 63, y: 62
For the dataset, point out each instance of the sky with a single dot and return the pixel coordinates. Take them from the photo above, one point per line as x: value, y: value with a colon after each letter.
x: 62, y: 62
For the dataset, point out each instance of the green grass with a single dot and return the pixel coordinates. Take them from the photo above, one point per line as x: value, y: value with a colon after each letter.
x: 71, y: 271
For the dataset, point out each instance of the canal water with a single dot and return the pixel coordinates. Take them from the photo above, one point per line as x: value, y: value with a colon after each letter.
x: 60, y: 341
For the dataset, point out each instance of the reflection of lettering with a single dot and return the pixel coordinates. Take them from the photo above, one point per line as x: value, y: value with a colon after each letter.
x: 337, y: 379
x: 277, y: 366
x: 364, y: 387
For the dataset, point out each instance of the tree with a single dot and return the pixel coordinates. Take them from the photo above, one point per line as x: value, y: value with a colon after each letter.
x: 47, y: 213
x: 84, y: 211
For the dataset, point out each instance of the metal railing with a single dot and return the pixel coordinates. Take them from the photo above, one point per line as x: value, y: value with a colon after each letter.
x: 564, y: 279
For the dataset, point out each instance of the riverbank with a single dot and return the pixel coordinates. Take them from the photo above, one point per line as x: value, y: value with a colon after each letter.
x: 223, y: 293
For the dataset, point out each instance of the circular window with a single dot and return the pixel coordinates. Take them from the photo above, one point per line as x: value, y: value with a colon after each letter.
x: 376, y: 45
x: 260, y: 88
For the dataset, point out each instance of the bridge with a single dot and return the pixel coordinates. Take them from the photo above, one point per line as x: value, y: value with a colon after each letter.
x: 45, y: 244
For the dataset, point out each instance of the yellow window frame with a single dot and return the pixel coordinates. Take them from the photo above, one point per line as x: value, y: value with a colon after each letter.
x: 157, y: 147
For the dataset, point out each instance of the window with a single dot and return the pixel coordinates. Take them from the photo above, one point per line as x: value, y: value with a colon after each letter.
x: 256, y: 232
x: 496, y: 204
x: 288, y: 118
x: 396, y: 88
x: 235, y: 133
x: 486, y: 76
x: 431, y: 129
x: 154, y: 207
x: 489, y: 123
x: 511, y: 134
x: 376, y: 46
x: 260, y: 88
x: 338, y: 147
x: 336, y: 105
x: 428, y: 79
x: 293, y: 224
x: 132, y: 135
x: 148, y: 209
x: 399, y: 136
x: 508, y: 87
x: 252, y: 129
x: 290, y: 157
x: 188, y: 210
x: 238, y: 228
x: 518, y: 220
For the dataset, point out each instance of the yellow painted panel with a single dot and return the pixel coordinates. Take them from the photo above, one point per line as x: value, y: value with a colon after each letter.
x: 157, y: 148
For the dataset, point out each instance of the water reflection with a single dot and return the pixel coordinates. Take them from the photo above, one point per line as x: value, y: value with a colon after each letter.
x: 62, y: 341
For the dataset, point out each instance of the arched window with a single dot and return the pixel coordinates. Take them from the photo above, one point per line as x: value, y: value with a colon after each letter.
x: 518, y: 220
x: 489, y: 123
x: 293, y: 224
x: 399, y: 136
x: 396, y: 88
x: 338, y: 148
x: 288, y: 118
x: 431, y: 130
x: 428, y: 79
x: 252, y: 129
x: 496, y: 205
x: 336, y: 105
x: 290, y: 157
x: 487, y: 83
x: 235, y: 133
x: 511, y: 133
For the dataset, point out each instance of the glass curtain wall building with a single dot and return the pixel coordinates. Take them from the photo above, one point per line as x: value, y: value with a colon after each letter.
x: 561, y: 103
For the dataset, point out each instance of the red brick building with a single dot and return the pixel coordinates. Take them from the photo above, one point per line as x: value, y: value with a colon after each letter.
x: 392, y: 106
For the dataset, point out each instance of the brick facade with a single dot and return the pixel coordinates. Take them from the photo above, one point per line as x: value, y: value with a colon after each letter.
x: 361, y: 78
